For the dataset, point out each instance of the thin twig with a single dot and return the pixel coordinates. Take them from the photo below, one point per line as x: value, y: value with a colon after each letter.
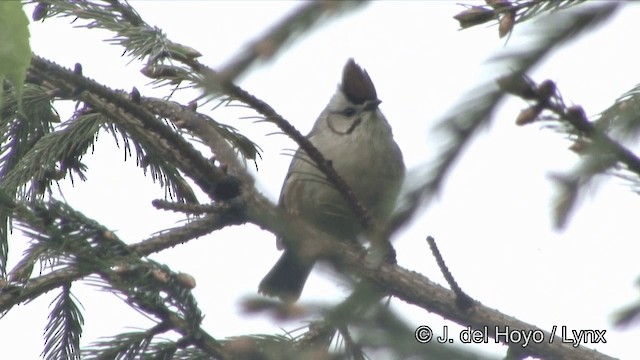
x: 463, y: 301
x: 293, y: 25
x: 201, y: 126
x: 323, y: 164
x: 36, y: 286
x: 191, y: 209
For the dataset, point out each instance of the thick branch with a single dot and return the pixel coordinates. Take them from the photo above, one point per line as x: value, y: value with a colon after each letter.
x: 410, y: 286
x: 404, y: 284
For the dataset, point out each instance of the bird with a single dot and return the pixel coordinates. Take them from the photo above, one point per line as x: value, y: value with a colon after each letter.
x: 356, y: 138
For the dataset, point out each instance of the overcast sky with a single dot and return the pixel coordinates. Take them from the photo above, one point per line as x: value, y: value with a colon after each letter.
x: 492, y: 221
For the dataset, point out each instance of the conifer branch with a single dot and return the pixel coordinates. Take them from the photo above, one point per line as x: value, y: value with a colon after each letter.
x: 141, y: 124
x: 476, y: 109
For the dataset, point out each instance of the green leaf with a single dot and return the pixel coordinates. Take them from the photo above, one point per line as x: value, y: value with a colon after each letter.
x: 15, y: 52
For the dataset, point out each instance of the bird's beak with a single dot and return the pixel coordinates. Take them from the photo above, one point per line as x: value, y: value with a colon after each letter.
x: 372, y: 104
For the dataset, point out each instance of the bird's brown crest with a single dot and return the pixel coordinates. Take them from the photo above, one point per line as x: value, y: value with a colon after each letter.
x: 356, y: 84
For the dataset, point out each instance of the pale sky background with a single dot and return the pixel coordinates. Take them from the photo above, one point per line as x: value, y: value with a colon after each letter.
x: 492, y: 221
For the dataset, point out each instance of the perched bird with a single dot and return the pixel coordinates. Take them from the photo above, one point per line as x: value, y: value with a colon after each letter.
x: 354, y: 135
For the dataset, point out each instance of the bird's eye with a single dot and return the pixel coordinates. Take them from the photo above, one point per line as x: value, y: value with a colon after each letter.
x: 349, y: 112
